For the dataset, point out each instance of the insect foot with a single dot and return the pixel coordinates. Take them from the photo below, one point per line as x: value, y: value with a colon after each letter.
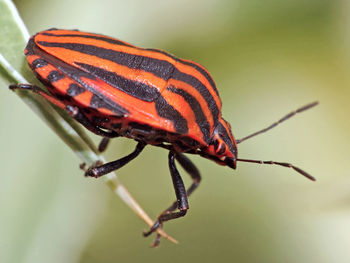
x: 93, y: 171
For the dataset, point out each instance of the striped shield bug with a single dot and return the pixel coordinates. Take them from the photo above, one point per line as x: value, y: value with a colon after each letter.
x: 116, y: 89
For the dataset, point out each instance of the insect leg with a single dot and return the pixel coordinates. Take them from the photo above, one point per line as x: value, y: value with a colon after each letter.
x: 106, y: 168
x: 72, y: 110
x: 103, y: 144
x: 39, y: 91
x: 181, y: 196
x: 192, y: 170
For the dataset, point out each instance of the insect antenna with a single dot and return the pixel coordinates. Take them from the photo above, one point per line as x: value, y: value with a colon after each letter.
x: 288, y: 165
x: 288, y: 116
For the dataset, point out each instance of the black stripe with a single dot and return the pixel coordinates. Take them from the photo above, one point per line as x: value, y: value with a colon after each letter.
x: 118, y: 42
x: 77, y: 75
x: 98, y: 102
x: 30, y: 47
x: 39, y: 63
x: 195, y: 83
x: 99, y: 37
x: 200, y: 69
x: 201, y: 120
x: 74, y: 90
x: 167, y: 111
x: 54, y: 76
x: 136, y: 89
x: 226, y: 138
x: 204, y: 73
x: 138, y: 127
x: 160, y: 68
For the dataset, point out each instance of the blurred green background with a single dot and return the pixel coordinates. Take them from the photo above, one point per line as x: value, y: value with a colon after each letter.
x: 268, y: 57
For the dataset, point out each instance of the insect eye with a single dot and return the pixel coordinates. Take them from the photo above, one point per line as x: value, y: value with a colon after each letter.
x: 221, y: 149
x: 216, y: 145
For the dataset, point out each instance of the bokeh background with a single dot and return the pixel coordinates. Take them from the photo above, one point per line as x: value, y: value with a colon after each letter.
x: 267, y: 57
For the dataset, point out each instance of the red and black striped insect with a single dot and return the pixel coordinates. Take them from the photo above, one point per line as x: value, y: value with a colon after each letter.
x: 116, y: 89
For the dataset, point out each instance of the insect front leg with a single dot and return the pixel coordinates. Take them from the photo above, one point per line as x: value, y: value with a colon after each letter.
x: 72, y: 110
x: 97, y: 171
x: 39, y: 91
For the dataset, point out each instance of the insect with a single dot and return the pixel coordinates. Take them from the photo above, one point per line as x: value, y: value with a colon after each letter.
x: 116, y: 89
